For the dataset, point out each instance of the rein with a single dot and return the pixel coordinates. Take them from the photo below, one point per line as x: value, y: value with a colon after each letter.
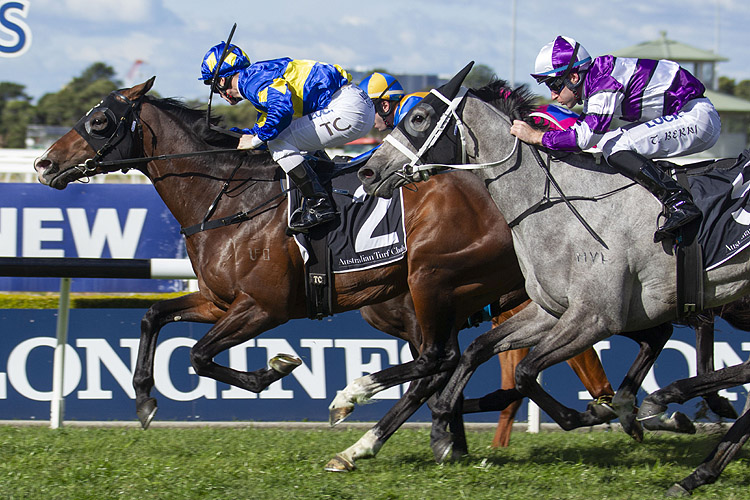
x: 146, y: 159
x: 122, y: 142
x: 411, y: 170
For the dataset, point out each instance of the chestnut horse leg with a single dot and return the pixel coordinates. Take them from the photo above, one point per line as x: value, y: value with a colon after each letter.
x: 193, y: 307
x: 508, y: 362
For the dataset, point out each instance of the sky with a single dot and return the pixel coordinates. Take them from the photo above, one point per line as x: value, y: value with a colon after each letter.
x: 400, y: 36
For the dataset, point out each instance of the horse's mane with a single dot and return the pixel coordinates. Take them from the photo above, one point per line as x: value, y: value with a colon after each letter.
x: 195, y: 120
x: 516, y: 103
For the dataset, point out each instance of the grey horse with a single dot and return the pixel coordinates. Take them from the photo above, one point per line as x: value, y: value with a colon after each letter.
x: 588, y: 258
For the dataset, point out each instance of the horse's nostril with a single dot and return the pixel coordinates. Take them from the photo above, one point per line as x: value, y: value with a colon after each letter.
x: 366, y: 173
x: 43, y: 164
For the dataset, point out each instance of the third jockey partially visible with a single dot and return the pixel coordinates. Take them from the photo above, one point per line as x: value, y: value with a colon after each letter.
x: 390, y: 100
x: 303, y: 106
x: 666, y: 104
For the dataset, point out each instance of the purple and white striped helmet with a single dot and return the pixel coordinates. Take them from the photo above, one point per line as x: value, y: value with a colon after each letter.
x: 554, y: 60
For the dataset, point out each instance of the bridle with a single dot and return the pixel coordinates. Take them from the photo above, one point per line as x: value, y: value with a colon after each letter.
x: 416, y: 171
x: 123, y: 147
x: 121, y: 137
x: 414, y: 168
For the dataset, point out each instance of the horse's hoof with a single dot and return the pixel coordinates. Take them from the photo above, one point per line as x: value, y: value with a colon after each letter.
x: 722, y: 407
x: 442, y: 449
x: 284, y: 363
x: 650, y: 410
x: 678, y: 422
x: 682, y: 423
x: 339, y: 464
x: 602, y: 411
x: 146, y: 412
x: 677, y: 491
x: 338, y: 415
x: 632, y: 428
x: 457, y: 454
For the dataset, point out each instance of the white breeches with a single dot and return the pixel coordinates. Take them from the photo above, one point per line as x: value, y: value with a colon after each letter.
x: 349, y: 116
x: 693, y: 129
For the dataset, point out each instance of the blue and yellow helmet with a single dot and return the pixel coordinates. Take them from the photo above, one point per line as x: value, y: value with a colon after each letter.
x: 382, y: 86
x: 235, y: 60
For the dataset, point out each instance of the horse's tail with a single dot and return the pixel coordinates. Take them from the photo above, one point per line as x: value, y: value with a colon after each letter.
x: 736, y: 313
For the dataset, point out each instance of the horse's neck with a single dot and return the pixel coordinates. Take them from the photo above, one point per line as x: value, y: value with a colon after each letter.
x: 189, y: 186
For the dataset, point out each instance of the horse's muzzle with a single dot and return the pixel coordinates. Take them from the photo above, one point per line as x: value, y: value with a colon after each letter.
x: 45, y: 170
x: 369, y: 179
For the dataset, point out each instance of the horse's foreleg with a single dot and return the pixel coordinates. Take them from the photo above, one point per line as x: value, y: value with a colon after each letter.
x: 434, y: 359
x: 243, y: 320
x: 479, y: 351
x: 369, y: 444
x: 575, y: 331
x: 192, y: 307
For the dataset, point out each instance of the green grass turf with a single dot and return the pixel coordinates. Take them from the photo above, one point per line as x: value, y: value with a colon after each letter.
x: 285, y: 464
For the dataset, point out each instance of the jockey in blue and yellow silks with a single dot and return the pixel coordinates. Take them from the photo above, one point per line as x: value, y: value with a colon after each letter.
x: 303, y: 106
x: 390, y: 100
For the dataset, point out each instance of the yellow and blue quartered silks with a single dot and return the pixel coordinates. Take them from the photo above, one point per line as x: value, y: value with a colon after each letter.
x: 284, y: 89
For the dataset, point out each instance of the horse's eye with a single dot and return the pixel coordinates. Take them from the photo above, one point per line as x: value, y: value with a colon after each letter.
x: 98, y: 121
x: 420, y: 119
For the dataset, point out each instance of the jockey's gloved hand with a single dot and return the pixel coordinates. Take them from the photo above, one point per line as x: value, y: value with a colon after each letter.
x: 423, y: 175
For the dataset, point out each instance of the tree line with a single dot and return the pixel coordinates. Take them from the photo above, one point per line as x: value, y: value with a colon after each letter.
x: 66, y: 106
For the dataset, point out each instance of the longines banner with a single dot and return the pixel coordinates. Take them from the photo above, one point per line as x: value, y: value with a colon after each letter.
x: 120, y: 221
x: 103, y: 344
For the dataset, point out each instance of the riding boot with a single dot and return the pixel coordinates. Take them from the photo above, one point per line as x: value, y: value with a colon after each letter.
x: 680, y: 209
x: 316, y: 206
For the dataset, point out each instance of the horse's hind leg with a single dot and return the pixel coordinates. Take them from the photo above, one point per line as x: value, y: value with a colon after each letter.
x: 704, y: 341
x: 192, y: 308
x: 683, y: 390
x: 708, y: 471
x: 655, y: 404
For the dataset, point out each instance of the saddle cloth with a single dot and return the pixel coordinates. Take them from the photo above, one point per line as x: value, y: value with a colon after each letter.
x: 721, y: 193
x: 368, y: 232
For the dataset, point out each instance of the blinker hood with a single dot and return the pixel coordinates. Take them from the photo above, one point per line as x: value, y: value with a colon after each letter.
x: 118, y: 140
x: 434, y: 108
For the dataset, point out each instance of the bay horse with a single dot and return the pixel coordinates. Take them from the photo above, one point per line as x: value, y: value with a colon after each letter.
x: 576, y: 302
x: 449, y: 272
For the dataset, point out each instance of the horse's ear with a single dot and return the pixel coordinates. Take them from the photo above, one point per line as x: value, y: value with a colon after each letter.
x: 450, y: 89
x: 140, y: 90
